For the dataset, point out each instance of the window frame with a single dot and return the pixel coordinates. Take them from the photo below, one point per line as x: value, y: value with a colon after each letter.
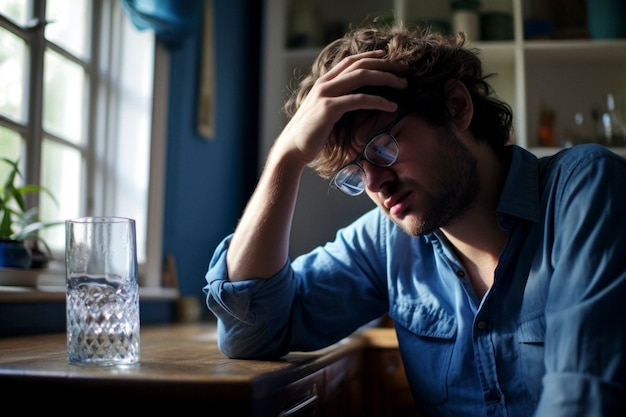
x: 103, y: 13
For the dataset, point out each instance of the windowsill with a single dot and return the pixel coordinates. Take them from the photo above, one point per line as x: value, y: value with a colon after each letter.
x: 34, y: 285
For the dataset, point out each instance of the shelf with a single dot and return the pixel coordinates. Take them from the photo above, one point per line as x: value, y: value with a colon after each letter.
x: 580, y: 52
x: 497, y: 50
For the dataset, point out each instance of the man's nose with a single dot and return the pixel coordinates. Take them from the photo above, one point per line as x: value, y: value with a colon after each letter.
x: 375, y: 176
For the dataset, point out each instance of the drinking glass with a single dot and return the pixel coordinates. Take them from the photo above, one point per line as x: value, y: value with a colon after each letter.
x: 102, y: 291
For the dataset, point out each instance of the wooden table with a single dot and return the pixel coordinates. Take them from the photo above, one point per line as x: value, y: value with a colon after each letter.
x: 181, y: 366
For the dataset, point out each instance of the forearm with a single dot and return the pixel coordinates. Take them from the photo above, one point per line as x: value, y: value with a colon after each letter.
x: 260, y: 244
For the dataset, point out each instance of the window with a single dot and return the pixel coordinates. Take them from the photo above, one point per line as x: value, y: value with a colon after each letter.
x: 76, y: 108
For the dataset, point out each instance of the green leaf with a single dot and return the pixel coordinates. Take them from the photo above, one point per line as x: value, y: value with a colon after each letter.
x: 30, y: 230
x: 16, y: 222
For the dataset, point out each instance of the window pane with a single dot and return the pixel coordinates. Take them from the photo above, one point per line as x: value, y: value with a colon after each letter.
x: 64, y: 87
x: 13, y: 70
x: 11, y: 146
x: 68, y: 23
x: 133, y: 115
x: 61, y: 173
x: 16, y: 10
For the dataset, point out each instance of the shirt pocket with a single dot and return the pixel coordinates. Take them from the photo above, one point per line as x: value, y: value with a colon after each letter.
x: 427, y: 335
x: 531, y: 337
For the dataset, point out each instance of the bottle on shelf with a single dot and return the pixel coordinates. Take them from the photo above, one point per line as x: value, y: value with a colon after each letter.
x: 613, y: 133
x: 546, y: 132
x: 466, y: 18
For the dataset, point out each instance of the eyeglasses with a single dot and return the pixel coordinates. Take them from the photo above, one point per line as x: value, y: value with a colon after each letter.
x: 382, y: 151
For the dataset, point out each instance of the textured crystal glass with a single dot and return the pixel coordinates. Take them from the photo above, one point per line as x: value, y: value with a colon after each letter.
x: 102, y: 291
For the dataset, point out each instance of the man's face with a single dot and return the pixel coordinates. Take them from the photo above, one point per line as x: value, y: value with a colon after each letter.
x: 433, y: 182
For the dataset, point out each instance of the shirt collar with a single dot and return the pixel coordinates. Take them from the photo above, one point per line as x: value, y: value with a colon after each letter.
x: 520, y: 195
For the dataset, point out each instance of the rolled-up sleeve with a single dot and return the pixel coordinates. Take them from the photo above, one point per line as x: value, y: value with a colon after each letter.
x: 253, y: 314
x: 315, y: 300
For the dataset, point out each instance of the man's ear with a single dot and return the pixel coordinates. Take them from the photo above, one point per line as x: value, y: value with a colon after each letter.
x: 459, y: 103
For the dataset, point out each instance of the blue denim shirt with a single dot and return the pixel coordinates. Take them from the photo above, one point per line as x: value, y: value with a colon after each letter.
x: 548, y: 339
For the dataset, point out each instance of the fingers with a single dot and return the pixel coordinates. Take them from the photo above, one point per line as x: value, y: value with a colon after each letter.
x: 335, y: 94
x: 357, y: 71
x: 368, y: 68
x: 370, y: 59
x: 349, y: 60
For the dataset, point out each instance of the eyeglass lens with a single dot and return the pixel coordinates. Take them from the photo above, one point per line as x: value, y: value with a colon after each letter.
x: 381, y: 151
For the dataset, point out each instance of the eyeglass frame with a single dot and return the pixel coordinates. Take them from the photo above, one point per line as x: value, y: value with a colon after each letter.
x: 362, y: 156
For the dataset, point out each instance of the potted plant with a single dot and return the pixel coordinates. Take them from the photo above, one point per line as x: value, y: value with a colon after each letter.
x: 19, y: 226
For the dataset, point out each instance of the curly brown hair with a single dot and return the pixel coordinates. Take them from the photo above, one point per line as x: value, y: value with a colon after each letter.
x: 433, y: 60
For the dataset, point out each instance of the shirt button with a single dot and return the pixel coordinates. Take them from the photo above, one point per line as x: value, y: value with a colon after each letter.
x: 482, y: 325
x: 460, y: 273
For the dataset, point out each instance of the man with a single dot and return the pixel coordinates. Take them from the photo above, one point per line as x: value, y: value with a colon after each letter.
x: 504, y: 274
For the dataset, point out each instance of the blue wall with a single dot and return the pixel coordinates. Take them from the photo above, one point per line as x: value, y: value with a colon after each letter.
x: 208, y: 181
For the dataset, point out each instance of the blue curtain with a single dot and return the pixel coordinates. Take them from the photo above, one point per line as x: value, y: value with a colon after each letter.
x: 172, y: 20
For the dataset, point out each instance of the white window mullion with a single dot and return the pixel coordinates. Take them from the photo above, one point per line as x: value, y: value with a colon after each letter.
x: 34, y: 125
x: 97, y: 125
x: 151, y: 273
x: 98, y: 48
x: 106, y: 156
x: 103, y: 169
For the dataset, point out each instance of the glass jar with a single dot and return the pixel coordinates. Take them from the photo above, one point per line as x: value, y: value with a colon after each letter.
x: 466, y: 18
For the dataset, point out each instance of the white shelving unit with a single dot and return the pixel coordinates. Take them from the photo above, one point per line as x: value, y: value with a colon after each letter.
x: 571, y: 76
